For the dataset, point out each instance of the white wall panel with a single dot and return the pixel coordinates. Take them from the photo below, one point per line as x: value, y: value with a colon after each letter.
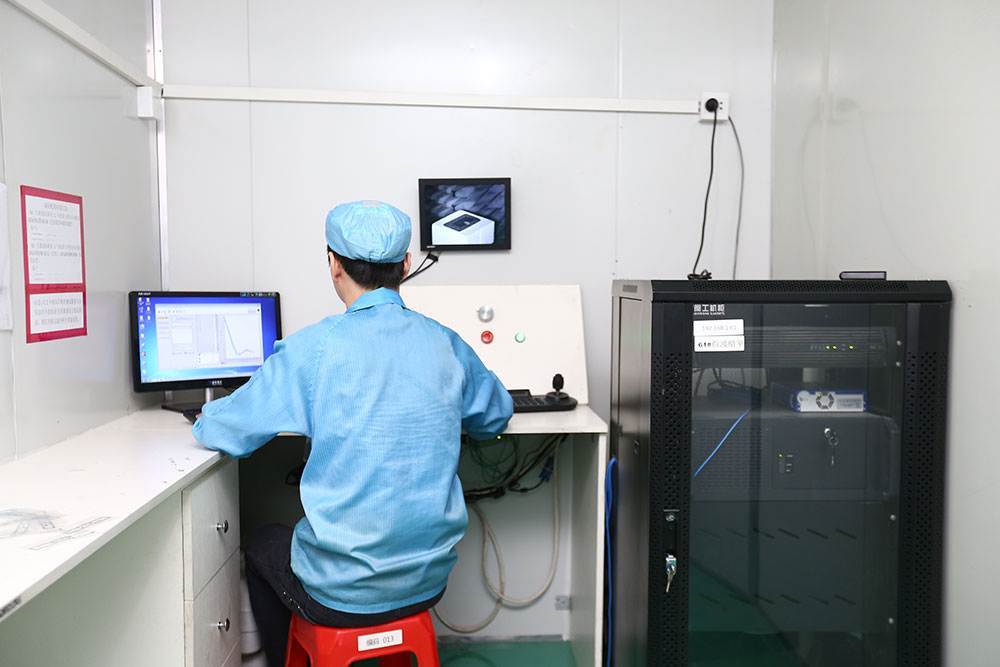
x: 662, y: 178
x: 8, y: 447
x: 210, y: 236
x: 801, y: 69
x: 592, y: 200
x: 522, y: 47
x: 124, y: 25
x: 309, y: 157
x: 906, y: 182
x: 205, y: 42
x: 677, y: 50
x: 7, y: 443
x: 67, y: 128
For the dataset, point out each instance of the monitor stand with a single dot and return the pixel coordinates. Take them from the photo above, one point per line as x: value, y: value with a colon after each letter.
x: 190, y: 408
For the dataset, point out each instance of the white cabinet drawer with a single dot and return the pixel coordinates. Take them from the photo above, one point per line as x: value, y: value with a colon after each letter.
x: 213, y: 618
x: 211, y: 526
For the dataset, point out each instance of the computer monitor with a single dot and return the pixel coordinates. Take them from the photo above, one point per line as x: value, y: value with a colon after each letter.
x: 196, y: 340
x: 464, y: 213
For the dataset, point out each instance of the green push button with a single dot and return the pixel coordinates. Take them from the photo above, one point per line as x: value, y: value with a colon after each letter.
x: 519, y: 337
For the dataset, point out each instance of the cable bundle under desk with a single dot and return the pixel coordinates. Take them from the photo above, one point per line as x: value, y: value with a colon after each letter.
x: 505, y: 475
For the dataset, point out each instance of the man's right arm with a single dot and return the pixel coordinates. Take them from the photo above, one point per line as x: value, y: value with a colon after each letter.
x: 278, y: 398
x: 486, y: 405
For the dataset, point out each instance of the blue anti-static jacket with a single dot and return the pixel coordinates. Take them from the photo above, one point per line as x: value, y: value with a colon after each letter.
x: 384, y: 394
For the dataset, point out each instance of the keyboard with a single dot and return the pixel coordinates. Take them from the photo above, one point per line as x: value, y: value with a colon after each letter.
x: 525, y: 401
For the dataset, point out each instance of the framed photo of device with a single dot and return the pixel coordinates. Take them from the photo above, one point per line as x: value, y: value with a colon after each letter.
x: 464, y: 213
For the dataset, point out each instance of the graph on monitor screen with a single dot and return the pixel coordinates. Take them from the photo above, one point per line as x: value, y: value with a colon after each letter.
x: 209, y: 335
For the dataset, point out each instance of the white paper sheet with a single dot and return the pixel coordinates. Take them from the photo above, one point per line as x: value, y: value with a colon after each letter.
x: 6, y: 319
x: 60, y: 311
x: 54, y: 242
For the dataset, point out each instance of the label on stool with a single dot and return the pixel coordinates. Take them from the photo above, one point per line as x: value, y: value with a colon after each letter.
x: 380, y: 640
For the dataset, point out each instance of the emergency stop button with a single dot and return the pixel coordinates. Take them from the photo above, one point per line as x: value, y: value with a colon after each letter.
x: 486, y: 337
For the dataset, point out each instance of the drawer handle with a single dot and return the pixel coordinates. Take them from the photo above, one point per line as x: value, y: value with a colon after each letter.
x: 223, y: 625
x: 223, y: 527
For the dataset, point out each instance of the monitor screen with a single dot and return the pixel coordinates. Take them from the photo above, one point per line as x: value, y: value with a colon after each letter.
x: 188, y: 340
x: 464, y: 213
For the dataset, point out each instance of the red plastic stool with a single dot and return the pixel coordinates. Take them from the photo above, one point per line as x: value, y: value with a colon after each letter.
x: 392, y: 643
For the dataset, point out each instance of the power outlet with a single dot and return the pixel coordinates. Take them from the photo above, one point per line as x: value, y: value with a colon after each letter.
x: 723, y: 111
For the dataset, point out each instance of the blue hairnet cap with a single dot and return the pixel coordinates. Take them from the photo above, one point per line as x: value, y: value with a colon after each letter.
x: 370, y: 230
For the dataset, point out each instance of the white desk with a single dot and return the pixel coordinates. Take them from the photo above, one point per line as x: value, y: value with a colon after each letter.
x: 97, y: 547
x: 105, y: 479
x: 90, y: 489
x: 581, y: 420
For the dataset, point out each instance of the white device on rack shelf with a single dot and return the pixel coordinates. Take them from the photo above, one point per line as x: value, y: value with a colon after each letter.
x: 820, y: 399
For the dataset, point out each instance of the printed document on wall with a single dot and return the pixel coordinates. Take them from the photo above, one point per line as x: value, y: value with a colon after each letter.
x: 6, y: 319
x: 55, y: 281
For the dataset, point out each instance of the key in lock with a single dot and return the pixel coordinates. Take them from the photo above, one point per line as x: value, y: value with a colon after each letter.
x: 831, y: 442
x: 671, y: 569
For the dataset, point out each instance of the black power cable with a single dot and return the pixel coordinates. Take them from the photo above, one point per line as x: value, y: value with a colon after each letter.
x: 419, y: 268
x: 430, y: 256
x: 544, y: 454
x: 713, y: 106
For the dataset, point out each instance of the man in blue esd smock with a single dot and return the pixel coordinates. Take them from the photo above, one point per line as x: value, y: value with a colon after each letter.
x: 384, y: 393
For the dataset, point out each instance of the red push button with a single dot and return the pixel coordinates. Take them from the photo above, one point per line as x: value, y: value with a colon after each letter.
x: 486, y: 337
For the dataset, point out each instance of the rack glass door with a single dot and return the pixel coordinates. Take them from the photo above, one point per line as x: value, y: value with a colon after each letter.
x: 795, y: 484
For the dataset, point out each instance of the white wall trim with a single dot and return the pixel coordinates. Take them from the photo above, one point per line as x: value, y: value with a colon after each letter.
x: 83, y: 40
x: 321, y: 96
x: 161, y: 149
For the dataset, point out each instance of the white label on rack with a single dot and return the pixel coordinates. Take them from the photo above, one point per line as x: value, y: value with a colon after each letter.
x: 718, y: 328
x: 380, y: 640
x: 718, y: 343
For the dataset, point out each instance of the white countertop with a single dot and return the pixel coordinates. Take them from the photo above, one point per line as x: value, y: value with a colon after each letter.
x: 62, y: 503
x: 579, y: 420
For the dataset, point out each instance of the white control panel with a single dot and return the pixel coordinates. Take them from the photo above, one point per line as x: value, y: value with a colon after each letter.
x: 523, y: 333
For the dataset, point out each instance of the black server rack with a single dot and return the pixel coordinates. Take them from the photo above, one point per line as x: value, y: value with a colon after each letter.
x: 780, y: 476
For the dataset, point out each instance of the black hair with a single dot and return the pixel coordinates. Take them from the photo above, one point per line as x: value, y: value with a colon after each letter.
x: 371, y: 275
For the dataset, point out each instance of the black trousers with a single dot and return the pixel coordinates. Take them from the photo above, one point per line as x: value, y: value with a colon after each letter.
x: 276, y: 593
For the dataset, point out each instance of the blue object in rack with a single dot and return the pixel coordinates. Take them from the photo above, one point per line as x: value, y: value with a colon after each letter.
x: 722, y: 442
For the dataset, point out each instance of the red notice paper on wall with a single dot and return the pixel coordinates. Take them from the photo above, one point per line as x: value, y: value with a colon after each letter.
x: 55, y: 281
